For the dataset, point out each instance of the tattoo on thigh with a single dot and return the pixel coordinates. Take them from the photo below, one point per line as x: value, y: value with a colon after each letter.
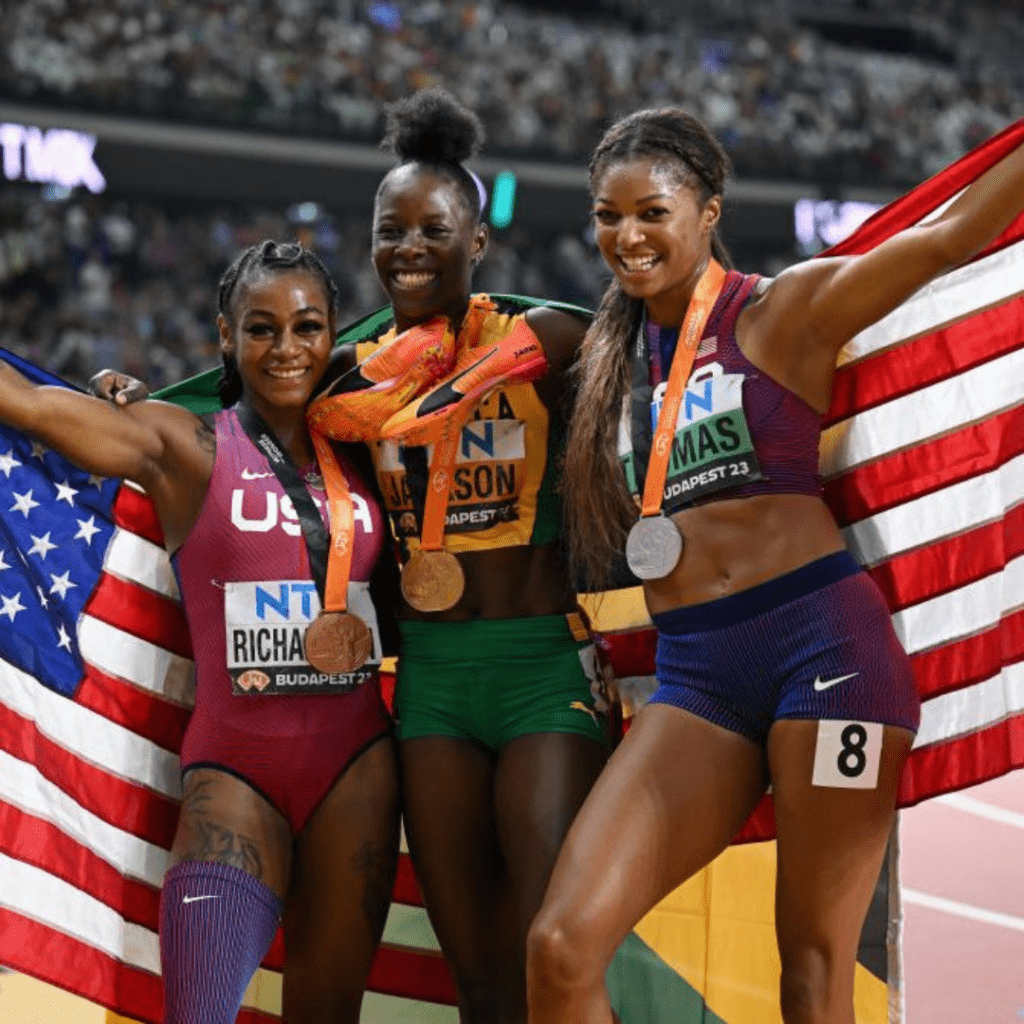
x: 375, y: 862
x: 213, y: 841
x: 221, y: 845
x: 197, y: 798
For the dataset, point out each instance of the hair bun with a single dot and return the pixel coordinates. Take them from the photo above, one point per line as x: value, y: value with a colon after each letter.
x: 431, y: 126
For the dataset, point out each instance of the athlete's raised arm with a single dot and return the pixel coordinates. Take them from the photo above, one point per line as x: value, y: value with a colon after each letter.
x: 165, y: 449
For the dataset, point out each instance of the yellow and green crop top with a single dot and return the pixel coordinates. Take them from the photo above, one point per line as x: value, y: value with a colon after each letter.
x: 505, y: 482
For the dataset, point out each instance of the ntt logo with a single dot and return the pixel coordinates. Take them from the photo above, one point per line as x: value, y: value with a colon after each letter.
x: 57, y: 155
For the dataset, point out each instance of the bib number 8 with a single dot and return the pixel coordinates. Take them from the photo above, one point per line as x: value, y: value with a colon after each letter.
x: 852, y: 760
x: 847, y: 754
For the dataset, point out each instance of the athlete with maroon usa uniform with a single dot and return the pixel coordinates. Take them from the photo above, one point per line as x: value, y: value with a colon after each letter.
x: 290, y: 792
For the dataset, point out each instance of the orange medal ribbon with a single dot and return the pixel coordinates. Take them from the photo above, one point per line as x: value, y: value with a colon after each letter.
x: 337, y: 641
x: 654, y: 543
x: 432, y: 579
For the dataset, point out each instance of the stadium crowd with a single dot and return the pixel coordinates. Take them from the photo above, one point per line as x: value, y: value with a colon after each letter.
x: 126, y: 283
x: 88, y: 281
x: 788, y: 99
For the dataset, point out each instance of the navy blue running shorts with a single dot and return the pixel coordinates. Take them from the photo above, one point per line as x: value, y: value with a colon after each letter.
x: 815, y: 643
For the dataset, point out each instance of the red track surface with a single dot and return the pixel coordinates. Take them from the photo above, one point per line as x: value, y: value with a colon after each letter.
x: 962, y: 866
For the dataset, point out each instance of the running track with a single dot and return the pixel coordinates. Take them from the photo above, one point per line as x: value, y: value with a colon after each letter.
x: 962, y: 867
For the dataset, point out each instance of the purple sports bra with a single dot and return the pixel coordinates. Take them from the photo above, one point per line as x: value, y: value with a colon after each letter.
x: 782, y: 429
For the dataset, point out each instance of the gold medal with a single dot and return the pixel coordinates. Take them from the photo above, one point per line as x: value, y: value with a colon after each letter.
x: 433, y: 581
x: 337, y: 643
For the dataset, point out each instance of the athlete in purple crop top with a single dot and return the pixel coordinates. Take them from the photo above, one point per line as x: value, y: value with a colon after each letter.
x: 777, y: 658
x: 290, y: 794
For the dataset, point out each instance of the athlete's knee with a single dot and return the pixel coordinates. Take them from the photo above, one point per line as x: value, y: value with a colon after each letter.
x: 561, y: 951
x: 813, y: 987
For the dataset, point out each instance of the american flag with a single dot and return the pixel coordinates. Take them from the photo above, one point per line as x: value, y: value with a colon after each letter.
x: 923, y: 456
x: 96, y: 685
x: 924, y: 460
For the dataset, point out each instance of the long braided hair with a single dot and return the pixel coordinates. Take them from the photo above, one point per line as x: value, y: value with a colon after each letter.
x: 598, y: 507
x: 266, y: 257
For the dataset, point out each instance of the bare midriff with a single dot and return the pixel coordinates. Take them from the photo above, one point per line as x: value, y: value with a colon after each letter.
x: 735, y: 544
x: 509, y: 583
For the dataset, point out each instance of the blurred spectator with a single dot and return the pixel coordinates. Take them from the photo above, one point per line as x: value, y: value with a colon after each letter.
x: 788, y: 101
x: 114, y: 283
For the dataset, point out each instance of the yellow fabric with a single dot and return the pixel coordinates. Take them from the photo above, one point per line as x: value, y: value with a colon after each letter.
x: 502, y: 460
x: 718, y: 932
x: 616, y: 611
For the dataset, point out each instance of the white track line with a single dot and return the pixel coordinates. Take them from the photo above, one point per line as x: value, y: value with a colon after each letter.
x: 982, y: 810
x: 922, y: 899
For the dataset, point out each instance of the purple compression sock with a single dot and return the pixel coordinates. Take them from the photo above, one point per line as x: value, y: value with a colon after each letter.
x: 216, y: 925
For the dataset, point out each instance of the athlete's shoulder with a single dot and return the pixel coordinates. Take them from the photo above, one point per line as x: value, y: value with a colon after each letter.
x: 513, y: 304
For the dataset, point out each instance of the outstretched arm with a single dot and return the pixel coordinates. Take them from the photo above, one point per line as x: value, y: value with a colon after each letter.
x: 145, y: 442
x: 828, y: 301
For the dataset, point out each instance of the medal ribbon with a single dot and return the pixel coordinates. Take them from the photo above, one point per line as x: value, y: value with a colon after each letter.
x: 343, y: 526
x: 439, y: 482
x: 705, y: 295
x: 330, y: 555
x: 446, y: 449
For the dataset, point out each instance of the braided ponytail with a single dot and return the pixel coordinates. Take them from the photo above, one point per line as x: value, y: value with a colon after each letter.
x: 598, y: 507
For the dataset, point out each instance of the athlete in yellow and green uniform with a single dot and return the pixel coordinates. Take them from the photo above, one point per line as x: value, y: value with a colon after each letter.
x: 502, y: 730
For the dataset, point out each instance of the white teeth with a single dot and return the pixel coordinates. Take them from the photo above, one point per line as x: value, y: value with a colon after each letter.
x: 638, y: 265
x: 287, y: 374
x: 410, y: 279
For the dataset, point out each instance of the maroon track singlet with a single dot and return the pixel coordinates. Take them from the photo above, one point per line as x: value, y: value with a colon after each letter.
x: 246, y: 586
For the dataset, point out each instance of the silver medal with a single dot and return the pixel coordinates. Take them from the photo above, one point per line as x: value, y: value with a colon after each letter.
x: 653, y: 547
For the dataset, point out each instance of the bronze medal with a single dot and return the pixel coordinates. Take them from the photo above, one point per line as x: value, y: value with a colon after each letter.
x: 653, y: 547
x: 433, y: 581
x: 337, y: 643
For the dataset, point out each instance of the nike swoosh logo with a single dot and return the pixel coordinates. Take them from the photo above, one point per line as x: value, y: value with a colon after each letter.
x: 823, y: 684
x: 447, y: 394
x: 250, y: 475
x: 194, y: 899
x: 352, y: 380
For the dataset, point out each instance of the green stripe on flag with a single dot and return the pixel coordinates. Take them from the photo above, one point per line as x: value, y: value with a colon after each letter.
x: 646, y: 990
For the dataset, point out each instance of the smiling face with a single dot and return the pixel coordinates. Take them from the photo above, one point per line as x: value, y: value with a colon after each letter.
x: 425, y: 244
x: 280, y: 331
x: 654, y: 233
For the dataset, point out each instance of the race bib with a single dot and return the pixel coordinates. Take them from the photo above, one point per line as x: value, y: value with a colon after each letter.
x: 712, y: 449
x: 266, y: 625
x: 487, y: 480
